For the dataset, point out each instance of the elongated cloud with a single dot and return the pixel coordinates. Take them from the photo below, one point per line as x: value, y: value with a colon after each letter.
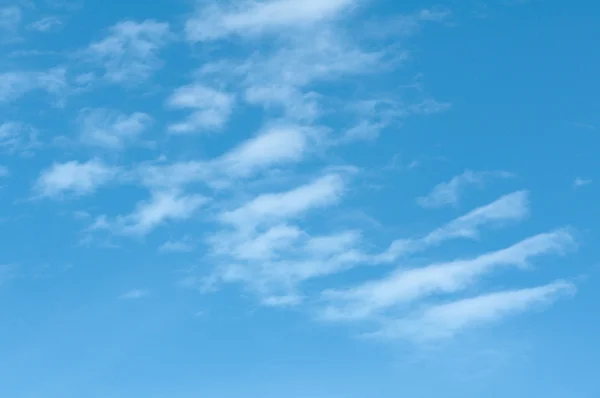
x: 269, y: 208
x: 446, y: 320
x: 405, y: 286
x: 449, y: 193
x: 149, y: 214
x: 508, y: 208
x: 274, y: 146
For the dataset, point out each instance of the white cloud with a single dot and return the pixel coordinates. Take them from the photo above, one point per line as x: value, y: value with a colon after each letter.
x: 135, y: 294
x: 4, y: 172
x: 274, y: 146
x: 449, y: 193
x: 274, y: 207
x: 111, y: 129
x: 260, y: 247
x: 280, y: 79
x: 405, y: 286
x: 14, y: 85
x: 446, y: 320
x: 148, y: 215
x: 130, y: 52
x: 211, y: 108
x: 273, y: 262
x: 74, y: 178
x: 272, y: 257
x: 511, y: 207
x: 253, y: 17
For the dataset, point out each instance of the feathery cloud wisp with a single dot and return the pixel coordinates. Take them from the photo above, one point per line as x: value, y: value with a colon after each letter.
x: 405, y: 286
x: 449, y: 193
x: 130, y: 52
x: 111, y: 129
x: 445, y: 320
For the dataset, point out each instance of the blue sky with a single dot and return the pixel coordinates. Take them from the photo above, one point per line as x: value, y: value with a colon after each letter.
x: 285, y: 198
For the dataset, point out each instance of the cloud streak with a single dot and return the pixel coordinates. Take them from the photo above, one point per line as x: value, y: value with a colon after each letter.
x: 449, y: 193
x: 446, y: 320
x: 405, y: 286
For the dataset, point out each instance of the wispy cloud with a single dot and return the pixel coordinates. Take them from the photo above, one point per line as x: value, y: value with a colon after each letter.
x: 74, y: 178
x: 261, y: 247
x: 160, y: 208
x: 14, y: 85
x: 184, y: 245
x: 135, y: 294
x: 252, y: 18
x: 405, y: 286
x: 580, y: 182
x: 275, y: 207
x: 46, y: 24
x: 111, y: 129
x: 290, y: 85
x: 511, y: 207
x: 129, y: 54
x: 4, y: 172
x: 275, y: 145
x: 449, y: 193
x: 210, y: 108
x: 446, y: 320
x: 17, y: 137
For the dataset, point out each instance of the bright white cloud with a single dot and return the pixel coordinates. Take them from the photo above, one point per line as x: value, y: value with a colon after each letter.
x: 446, y: 320
x: 210, y: 108
x: 274, y: 207
x: 274, y: 146
x: 405, y: 286
x: 148, y: 215
x: 130, y: 52
x: 449, y: 193
x: 111, y: 129
x: 254, y: 17
x: 74, y: 178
